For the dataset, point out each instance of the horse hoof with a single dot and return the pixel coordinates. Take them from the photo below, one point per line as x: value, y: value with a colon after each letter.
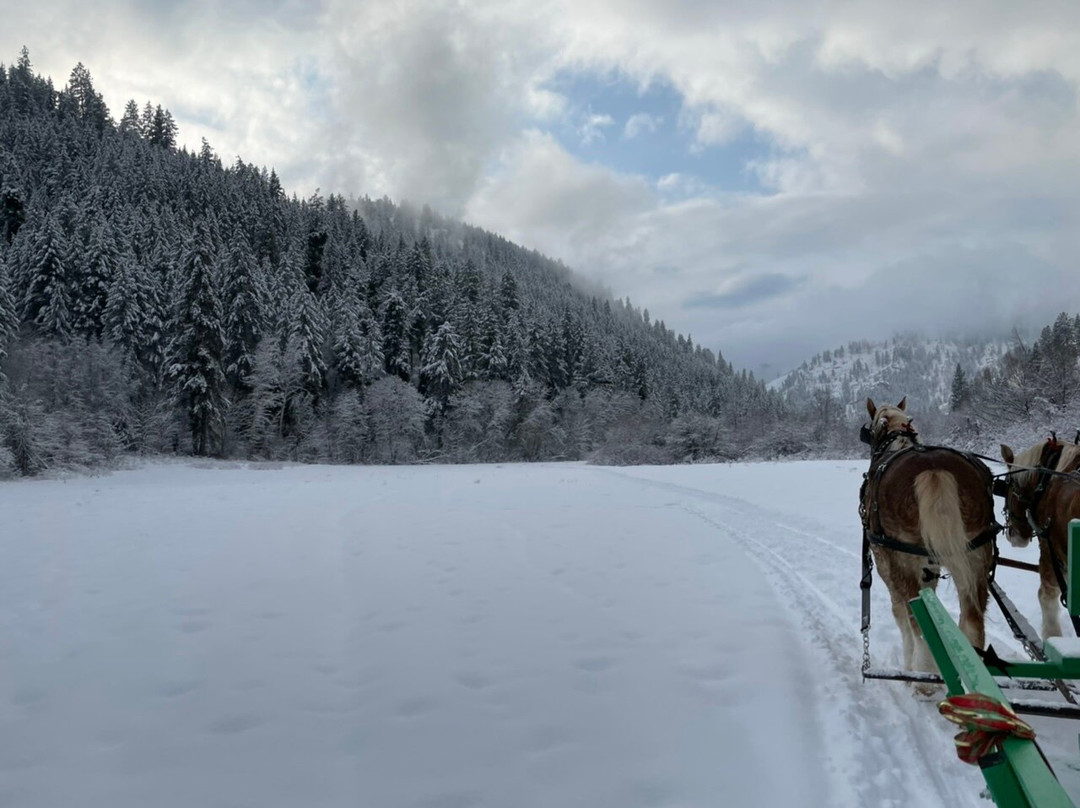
x: 926, y: 691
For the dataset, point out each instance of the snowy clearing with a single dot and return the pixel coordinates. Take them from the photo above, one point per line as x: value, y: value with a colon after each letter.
x: 450, y: 637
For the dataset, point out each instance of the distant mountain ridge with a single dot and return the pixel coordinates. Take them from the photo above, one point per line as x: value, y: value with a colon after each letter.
x: 909, y: 364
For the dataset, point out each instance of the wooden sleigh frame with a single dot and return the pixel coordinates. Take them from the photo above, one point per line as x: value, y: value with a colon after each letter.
x: 1022, y: 631
x: 1015, y: 770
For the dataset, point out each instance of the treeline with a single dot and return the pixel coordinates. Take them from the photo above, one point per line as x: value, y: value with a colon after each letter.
x: 970, y: 394
x: 154, y: 300
x: 1034, y: 382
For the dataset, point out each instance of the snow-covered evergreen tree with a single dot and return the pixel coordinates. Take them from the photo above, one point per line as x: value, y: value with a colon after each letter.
x: 130, y: 124
x: 196, y: 352
x: 440, y: 373
x: 126, y: 312
x: 9, y: 315
x: 245, y: 296
x: 395, y: 330
x: 308, y: 330
x: 48, y: 298
x: 94, y: 265
x: 358, y: 356
x: 958, y: 395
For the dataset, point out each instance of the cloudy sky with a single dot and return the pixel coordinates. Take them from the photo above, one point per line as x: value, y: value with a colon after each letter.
x: 774, y: 178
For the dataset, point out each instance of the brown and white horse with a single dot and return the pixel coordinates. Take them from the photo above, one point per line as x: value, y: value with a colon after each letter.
x: 929, y: 500
x: 1041, y: 503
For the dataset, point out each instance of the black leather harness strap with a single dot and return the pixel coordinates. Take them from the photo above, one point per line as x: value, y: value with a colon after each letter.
x: 878, y: 537
x: 915, y: 549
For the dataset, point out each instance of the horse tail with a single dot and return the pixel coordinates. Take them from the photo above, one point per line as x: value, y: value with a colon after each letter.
x: 942, y: 527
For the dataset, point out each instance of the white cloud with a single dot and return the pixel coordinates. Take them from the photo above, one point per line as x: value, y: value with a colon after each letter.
x: 592, y: 130
x: 641, y: 123
x: 541, y: 194
x: 930, y: 141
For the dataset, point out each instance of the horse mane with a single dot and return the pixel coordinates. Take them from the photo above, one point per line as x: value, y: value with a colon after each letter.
x: 1028, y: 461
x: 1070, y: 458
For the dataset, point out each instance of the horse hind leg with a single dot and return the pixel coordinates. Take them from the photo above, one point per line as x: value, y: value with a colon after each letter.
x: 1050, y: 601
x: 903, y: 586
x: 973, y: 612
x: 907, y: 634
x: 924, y: 660
x: 1049, y: 596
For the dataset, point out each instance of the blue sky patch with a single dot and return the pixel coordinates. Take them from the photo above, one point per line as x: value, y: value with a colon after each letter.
x: 655, y: 144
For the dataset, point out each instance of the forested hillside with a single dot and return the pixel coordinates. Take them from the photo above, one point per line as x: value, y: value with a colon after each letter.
x: 157, y: 300
x: 970, y: 392
x: 1034, y: 388
x: 922, y: 367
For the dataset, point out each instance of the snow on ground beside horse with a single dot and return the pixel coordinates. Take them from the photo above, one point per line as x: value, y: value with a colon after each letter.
x: 449, y: 637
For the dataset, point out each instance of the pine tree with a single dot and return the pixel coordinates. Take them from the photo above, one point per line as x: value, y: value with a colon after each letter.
x: 1057, y: 371
x: 93, y: 269
x: 518, y: 353
x: 12, y: 205
x: 9, y: 316
x: 440, y: 373
x: 125, y: 316
x: 960, y: 390
x: 245, y: 302
x: 490, y: 360
x: 358, y: 356
x: 372, y: 360
x: 161, y: 130
x: 146, y: 121
x: 395, y: 335
x: 86, y: 102
x: 420, y: 264
x: 309, y: 332
x: 48, y: 299
x: 130, y: 124
x: 197, y: 349
x: 158, y: 281
x: 508, y: 294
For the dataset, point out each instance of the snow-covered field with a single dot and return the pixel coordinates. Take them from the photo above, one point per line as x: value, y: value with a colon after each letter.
x: 450, y: 637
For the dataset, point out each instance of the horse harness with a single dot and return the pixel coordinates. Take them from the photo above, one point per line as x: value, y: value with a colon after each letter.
x: 1049, y: 458
x: 875, y: 534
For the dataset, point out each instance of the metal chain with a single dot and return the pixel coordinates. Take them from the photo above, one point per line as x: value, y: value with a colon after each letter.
x: 867, y: 581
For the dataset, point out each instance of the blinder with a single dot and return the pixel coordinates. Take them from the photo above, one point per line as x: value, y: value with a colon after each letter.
x: 866, y: 436
x: 1001, y: 487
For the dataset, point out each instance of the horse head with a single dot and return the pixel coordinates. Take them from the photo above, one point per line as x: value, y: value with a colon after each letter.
x: 1025, y: 482
x: 889, y: 426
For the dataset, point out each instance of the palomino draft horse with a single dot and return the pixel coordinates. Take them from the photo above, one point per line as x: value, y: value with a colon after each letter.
x: 1042, y: 496
x: 924, y: 508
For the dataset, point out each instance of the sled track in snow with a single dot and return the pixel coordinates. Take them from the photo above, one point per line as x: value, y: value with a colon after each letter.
x: 906, y: 757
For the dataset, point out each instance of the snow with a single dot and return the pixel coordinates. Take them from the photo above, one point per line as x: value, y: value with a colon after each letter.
x: 1064, y: 646
x: 450, y: 637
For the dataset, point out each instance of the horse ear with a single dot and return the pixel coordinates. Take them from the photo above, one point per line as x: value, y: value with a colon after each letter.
x: 871, y: 408
x: 903, y: 404
x: 1007, y: 454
